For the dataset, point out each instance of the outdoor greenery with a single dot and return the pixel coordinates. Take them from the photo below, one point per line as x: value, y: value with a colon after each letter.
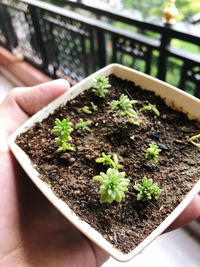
x: 186, y: 8
x: 153, y: 11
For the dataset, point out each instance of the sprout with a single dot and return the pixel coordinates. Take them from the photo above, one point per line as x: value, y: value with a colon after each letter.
x: 115, y: 162
x: 147, y: 190
x: 63, y: 129
x: 123, y: 107
x: 86, y: 110
x: 106, y: 160
x: 100, y: 85
x: 151, y: 107
x: 191, y: 140
x: 83, y: 125
x: 94, y: 107
x: 114, y: 184
x: 152, y: 152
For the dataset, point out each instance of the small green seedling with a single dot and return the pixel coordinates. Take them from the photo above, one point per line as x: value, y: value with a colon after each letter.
x: 94, y: 107
x: 83, y: 125
x: 115, y: 163
x: 152, y: 152
x: 106, y: 160
x: 114, y: 184
x: 123, y: 107
x: 100, y: 85
x: 63, y: 128
x: 191, y: 140
x: 147, y: 190
x: 151, y: 107
x: 86, y: 110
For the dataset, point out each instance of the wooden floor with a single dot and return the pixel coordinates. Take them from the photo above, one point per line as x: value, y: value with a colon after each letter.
x: 5, y: 86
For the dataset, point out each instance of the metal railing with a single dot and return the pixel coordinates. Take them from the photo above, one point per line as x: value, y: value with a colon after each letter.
x: 63, y: 43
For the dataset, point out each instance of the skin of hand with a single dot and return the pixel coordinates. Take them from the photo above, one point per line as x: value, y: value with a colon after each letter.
x: 32, y: 231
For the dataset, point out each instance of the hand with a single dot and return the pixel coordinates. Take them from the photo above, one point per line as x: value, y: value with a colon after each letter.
x: 32, y: 231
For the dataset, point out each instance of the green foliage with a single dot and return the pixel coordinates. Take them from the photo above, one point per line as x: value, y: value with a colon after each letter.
x: 186, y: 8
x: 151, y: 107
x: 123, y: 107
x: 100, y: 85
x: 191, y: 140
x: 147, y: 190
x: 114, y: 184
x: 94, y: 107
x: 86, y: 110
x: 152, y: 152
x: 106, y: 160
x: 63, y: 129
x: 83, y: 125
x: 115, y: 162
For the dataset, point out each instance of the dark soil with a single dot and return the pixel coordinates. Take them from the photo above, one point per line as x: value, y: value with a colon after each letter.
x: 69, y: 174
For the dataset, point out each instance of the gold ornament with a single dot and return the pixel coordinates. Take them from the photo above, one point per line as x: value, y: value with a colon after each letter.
x: 170, y: 12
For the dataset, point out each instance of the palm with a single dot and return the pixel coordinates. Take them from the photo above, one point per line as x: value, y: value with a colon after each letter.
x: 33, y: 227
x: 32, y: 231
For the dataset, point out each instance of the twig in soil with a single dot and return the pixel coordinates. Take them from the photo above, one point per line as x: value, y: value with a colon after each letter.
x: 152, y: 204
x: 131, y: 193
x: 128, y: 94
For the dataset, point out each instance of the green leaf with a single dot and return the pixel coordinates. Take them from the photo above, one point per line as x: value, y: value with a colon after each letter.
x: 147, y: 190
x: 100, y: 85
x: 114, y: 184
x: 83, y: 125
x: 94, y: 107
x: 123, y: 107
x: 152, y: 152
x: 106, y: 160
x: 86, y: 110
x: 63, y: 129
x: 150, y: 107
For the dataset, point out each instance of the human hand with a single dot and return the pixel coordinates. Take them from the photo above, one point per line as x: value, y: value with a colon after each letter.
x: 32, y: 231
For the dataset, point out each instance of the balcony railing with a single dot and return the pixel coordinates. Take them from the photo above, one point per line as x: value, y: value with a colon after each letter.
x: 63, y: 43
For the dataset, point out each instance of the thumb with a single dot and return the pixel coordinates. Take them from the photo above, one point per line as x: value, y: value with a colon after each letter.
x: 191, y: 213
x: 25, y: 101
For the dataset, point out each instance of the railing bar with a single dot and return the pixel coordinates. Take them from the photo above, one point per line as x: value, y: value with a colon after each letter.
x: 192, y: 31
x: 174, y: 31
x: 14, y: 7
x: 154, y: 43
x: 129, y: 53
x: 64, y: 26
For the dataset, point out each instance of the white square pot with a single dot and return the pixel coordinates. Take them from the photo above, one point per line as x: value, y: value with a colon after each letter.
x: 173, y: 97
